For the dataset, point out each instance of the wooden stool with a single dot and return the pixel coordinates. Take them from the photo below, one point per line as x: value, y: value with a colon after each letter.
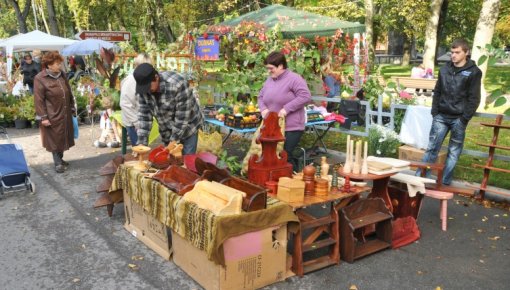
x: 443, y: 198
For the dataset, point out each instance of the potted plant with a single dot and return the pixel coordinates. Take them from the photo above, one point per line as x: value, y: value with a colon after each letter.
x: 25, y: 113
x: 6, y: 117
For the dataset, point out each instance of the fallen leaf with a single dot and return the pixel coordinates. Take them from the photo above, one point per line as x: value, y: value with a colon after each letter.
x: 465, y: 214
x: 97, y: 219
x: 484, y: 219
x: 136, y: 258
x: 505, y: 215
x: 83, y: 246
x: 133, y: 267
x: 450, y: 218
x: 353, y: 287
x: 61, y: 210
x: 419, y: 272
x: 496, y: 215
x: 479, y: 230
x: 76, y: 280
x: 482, y: 261
x: 495, y: 238
x: 88, y: 213
x: 438, y: 288
x: 502, y: 227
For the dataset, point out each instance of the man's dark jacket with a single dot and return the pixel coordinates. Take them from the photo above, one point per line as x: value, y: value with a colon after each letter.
x: 457, y: 93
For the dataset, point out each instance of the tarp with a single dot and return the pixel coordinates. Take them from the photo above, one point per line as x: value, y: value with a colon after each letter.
x: 36, y: 40
x: 33, y: 40
x: 87, y: 47
x: 294, y: 23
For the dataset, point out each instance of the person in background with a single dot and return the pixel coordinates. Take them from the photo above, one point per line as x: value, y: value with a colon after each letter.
x: 129, y: 101
x: 286, y: 93
x: 30, y: 69
x: 418, y: 71
x: 54, y: 106
x: 455, y: 100
x: 168, y: 97
x: 331, y: 84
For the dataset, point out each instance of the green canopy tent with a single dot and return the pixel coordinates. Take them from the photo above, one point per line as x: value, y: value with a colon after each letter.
x: 293, y: 23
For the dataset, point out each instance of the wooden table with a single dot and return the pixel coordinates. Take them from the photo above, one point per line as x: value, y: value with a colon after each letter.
x: 379, y: 187
x: 329, y: 224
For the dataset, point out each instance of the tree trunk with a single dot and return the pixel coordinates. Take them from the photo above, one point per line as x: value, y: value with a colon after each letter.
x: 21, y: 16
x: 369, y: 32
x: 429, y: 54
x: 153, y: 23
x: 440, y: 27
x: 43, y: 17
x: 395, y: 43
x: 483, y: 36
x: 406, y: 57
x: 165, y: 26
x: 52, y: 18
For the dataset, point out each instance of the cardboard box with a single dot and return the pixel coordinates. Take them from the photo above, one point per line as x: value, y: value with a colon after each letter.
x: 147, y: 229
x: 406, y: 152
x: 253, y: 260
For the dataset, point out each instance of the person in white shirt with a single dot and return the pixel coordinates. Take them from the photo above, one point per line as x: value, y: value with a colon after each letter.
x: 129, y: 101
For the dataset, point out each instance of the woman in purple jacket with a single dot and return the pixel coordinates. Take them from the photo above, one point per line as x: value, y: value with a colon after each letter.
x: 286, y: 93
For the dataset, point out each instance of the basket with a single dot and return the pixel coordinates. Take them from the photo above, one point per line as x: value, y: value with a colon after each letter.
x: 238, y: 122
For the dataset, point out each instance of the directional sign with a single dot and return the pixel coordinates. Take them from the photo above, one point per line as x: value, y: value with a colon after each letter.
x: 113, y: 36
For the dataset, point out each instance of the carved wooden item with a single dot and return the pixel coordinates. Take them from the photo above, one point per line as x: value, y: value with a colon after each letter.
x: 216, y: 197
x: 178, y: 179
x: 255, y: 196
x: 269, y: 166
x: 357, y: 216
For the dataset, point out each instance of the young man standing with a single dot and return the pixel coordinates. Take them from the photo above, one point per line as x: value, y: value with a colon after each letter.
x: 455, y: 100
x: 167, y: 97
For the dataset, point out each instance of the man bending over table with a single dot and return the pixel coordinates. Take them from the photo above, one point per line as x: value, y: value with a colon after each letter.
x: 167, y: 97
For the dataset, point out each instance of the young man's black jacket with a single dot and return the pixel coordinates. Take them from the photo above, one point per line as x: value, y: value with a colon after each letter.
x: 457, y: 91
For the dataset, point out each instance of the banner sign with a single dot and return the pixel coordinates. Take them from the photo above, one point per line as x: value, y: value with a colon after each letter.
x: 207, y: 49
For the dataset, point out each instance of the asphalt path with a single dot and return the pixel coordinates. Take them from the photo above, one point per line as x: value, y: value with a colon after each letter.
x: 55, y: 239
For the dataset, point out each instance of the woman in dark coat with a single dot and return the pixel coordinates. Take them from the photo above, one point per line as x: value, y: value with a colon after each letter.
x: 54, y: 105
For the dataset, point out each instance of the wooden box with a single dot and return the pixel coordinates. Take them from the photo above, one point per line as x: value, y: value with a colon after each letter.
x: 291, y: 190
x: 178, y: 179
x: 409, y: 153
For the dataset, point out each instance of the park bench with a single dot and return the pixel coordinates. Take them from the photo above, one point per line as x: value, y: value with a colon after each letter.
x: 414, y: 83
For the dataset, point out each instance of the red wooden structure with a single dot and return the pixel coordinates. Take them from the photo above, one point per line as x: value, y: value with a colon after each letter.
x: 269, y: 166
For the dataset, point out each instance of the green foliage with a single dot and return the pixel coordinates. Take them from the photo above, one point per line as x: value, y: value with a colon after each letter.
x: 25, y: 109
x: 230, y: 162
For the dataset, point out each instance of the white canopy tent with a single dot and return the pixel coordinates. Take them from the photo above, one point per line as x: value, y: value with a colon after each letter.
x: 30, y: 41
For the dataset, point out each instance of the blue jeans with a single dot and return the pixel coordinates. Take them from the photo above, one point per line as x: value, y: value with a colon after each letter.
x: 440, y: 128
x: 132, y: 135
x: 190, y: 144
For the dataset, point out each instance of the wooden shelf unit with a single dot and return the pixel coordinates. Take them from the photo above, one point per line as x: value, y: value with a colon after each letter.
x: 488, y: 167
x: 364, y: 214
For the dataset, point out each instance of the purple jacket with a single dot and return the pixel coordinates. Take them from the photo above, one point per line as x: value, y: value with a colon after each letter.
x: 288, y: 91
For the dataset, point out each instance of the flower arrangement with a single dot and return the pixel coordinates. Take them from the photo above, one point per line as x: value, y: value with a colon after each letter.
x: 382, y: 141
